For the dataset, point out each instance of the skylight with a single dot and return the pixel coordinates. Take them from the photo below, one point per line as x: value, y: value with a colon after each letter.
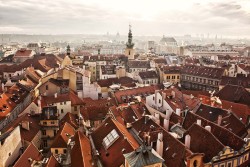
x: 110, y: 139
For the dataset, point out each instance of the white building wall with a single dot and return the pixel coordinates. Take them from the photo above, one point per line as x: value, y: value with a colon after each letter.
x: 10, y: 148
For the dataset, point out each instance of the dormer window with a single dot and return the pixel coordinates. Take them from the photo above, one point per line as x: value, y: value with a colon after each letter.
x: 110, y: 139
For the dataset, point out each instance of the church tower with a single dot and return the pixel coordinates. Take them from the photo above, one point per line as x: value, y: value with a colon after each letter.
x: 130, y: 52
x: 68, y: 50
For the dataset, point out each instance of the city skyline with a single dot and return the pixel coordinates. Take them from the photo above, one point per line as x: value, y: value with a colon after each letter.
x: 156, y: 18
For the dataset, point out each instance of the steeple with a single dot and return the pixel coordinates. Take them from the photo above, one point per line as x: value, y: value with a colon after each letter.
x: 68, y: 50
x: 130, y: 44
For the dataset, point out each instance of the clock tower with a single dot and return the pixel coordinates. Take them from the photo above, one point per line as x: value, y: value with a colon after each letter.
x: 130, y: 52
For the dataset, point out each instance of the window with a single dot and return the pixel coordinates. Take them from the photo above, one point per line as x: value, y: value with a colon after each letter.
x: 65, y: 103
x: 195, y: 163
x: 173, y: 76
x: 159, y: 100
x: 45, y: 144
x: 61, y: 110
x: 178, y: 77
x: 75, y: 108
x: 44, y: 123
x: 64, y: 151
x: 110, y: 138
x: 9, y: 153
x: 153, y: 98
x: 44, y: 132
x: 56, y: 151
x: 61, y: 103
x: 229, y: 164
x: 47, y: 87
x: 52, y: 122
x: 222, y: 165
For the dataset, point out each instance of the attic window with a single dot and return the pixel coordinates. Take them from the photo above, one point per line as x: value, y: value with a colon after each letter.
x: 110, y: 139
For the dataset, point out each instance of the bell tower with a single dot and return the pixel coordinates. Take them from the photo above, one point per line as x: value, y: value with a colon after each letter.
x: 130, y: 52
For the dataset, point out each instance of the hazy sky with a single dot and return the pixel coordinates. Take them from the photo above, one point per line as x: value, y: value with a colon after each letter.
x: 148, y: 17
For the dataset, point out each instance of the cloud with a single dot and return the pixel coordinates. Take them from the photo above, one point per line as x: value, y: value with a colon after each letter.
x: 147, y: 17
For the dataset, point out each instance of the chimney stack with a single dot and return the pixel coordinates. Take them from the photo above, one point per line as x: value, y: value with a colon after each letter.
x: 187, y: 141
x: 55, y: 95
x: 199, y: 122
x: 208, y: 128
x: 219, y: 119
x: 26, y: 125
x: 3, y: 87
x: 159, y: 144
x: 173, y: 94
x: 178, y: 111
x: 166, y: 124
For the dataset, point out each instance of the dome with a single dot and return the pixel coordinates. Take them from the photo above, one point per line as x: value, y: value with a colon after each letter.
x: 167, y: 40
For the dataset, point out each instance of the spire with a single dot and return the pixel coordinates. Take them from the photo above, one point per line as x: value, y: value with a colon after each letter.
x: 68, y: 50
x: 130, y: 44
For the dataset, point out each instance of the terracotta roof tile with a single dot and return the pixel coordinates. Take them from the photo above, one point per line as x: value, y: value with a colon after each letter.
x: 233, y: 93
x: 34, y: 127
x: 225, y: 136
x: 29, y: 155
x: 81, y: 151
x: 174, y: 152
x: 52, y: 162
x: 62, y: 136
x: 202, y: 141
x: 113, y: 156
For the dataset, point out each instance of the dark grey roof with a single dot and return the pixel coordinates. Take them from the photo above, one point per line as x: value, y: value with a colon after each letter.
x: 142, y: 157
x: 167, y: 39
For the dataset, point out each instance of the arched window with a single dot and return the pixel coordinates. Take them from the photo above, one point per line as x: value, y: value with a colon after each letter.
x: 195, y: 163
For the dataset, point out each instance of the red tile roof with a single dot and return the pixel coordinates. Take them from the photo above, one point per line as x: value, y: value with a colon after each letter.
x: 233, y: 93
x: 62, y: 136
x: 207, y: 72
x: 34, y: 127
x: 241, y: 110
x: 141, y: 91
x: 124, y: 81
x: 29, y: 155
x: 225, y: 136
x: 70, y: 119
x: 174, y: 152
x: 23, y: 53
x: 113, y: 156
x: 81, y: 151
x: 52, y: 162
x: 148, y: 75
x: 202, y: 141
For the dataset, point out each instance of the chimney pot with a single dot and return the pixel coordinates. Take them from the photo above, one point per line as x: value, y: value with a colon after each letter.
x: 187, y: 141
x: 199, y: 122
x: 208, y: 128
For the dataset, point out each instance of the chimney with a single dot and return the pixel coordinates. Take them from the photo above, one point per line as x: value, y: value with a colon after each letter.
x: 55, y: 95
x: 208, y: 128
x: 3, y: 87
x: 191, y: 96
x: 178, y: 111
x: 173, y: 94
x: 187, y: 141
x: 159, y: 144
x: 199, y: 122
x: 26, y: 125
x: 166, y: 124
x: 157, y: 115
x: 219, y: 119
x: 39, y: 105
